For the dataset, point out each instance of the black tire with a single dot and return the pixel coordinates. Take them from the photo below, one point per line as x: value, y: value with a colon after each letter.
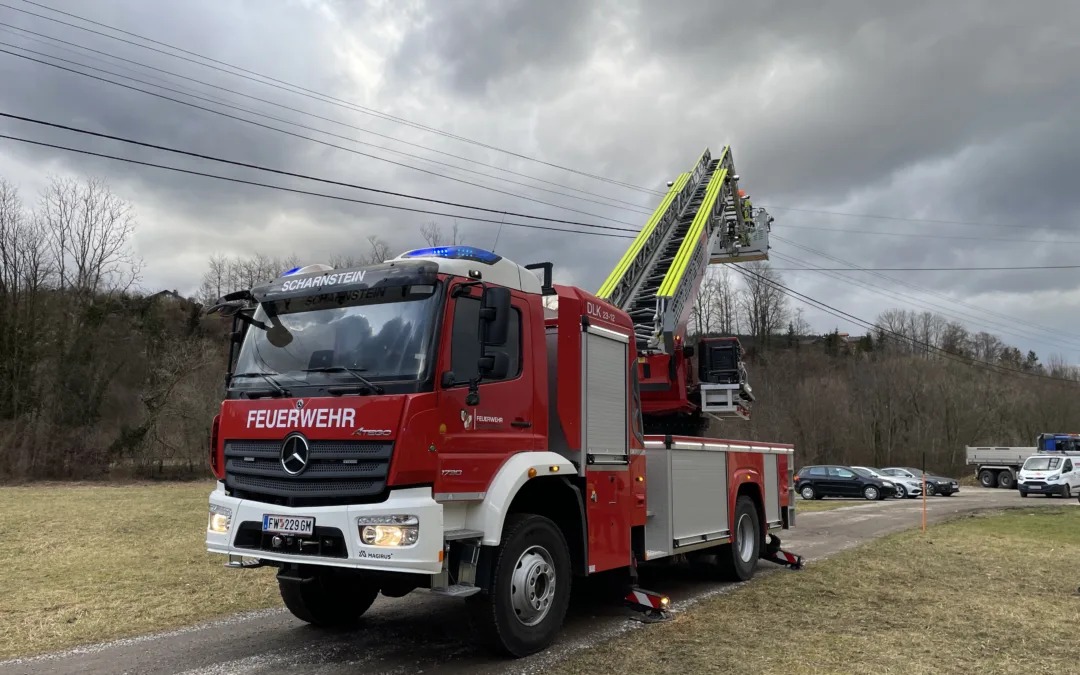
x: 808, y: 489
x: 901, y: 491
x: 987, y: 478
x: 1023, y: 494
x: 534, y: 558
x: 330, y: 599
x: 930, y: 491
x: 872, y: 493
x: 738, y: 560
x: 1066, y: 492
x: 1005, y: 480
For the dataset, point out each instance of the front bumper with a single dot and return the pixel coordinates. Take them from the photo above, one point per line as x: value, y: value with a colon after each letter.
x: 338, y: 525
x: 1040, y: 488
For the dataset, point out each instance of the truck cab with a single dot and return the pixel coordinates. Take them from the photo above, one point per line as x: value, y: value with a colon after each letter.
x: 1050, y: 474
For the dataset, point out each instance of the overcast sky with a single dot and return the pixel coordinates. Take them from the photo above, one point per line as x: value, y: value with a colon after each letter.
x: 950, y: 110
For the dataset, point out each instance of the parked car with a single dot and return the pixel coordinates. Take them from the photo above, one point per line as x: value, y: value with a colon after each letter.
x: 1046, y: 475
x: 834, y: 480
x: 935, y: 485
x: 905, y: 487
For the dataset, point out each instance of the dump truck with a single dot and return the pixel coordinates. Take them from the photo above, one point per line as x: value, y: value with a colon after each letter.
x: 998, y: 466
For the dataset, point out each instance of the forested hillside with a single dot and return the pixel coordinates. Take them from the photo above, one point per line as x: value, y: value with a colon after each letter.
x: 101, y: 380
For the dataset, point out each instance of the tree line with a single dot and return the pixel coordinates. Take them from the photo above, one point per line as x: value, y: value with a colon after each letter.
x: 101, y: 380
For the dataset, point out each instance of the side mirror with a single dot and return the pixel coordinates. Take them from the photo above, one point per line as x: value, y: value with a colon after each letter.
x: 448, y: 379
x: 494, y: 365
x: 495, y: 315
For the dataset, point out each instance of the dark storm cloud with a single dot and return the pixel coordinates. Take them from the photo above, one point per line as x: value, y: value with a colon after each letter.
x: 961, y: 110
x: 475, y: 44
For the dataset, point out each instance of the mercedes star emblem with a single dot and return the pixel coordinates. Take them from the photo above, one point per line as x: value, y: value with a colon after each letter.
x: 294, y: 455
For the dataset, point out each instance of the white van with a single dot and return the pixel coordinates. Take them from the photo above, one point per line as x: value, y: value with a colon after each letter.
x: 1049, y: 475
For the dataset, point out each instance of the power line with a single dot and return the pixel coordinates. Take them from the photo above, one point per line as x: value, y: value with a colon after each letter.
x: 909, y: 219
x: 325, y: 98
x: 817, y: 304
x: 291, y: 174
x: 303, y: 137
x: 924, y: 236
x: 1045, y: 329
x: 630, y: 206
x: 305, y: 192
x: 296, y: 89
x: 1007, y: 329
x: 924, y: 269
x: 434, y: 130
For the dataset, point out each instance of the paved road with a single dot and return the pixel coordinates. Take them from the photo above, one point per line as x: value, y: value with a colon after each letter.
x: 423, y: 633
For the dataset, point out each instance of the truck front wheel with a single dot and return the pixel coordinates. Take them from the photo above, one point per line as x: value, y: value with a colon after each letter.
x: 529, y: 588
x: 330, y: 598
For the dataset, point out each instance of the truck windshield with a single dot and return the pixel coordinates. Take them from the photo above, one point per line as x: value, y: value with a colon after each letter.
x: 381, y: 342
x: 1042, y: 463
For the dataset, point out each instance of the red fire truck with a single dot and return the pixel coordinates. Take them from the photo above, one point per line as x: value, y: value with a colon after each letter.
x: 453, y: 421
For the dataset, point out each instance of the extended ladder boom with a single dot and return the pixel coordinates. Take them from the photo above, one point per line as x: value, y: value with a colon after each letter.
x: 700, y: 221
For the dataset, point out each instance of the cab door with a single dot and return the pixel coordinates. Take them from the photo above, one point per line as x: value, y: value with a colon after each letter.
x: 474, y: 440
x: 1071, y: 475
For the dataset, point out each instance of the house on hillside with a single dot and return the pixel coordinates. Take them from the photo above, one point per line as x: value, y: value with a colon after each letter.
x: 167, y: 296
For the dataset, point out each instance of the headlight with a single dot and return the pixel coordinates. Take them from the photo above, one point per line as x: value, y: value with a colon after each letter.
x: 389, y: 530
x: 888, y: 483
x: 220, y: 518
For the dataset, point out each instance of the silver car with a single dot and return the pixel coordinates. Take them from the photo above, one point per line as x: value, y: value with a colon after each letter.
x: 906, y: 487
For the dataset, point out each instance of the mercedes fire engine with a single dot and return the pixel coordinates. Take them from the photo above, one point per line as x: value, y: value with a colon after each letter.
x: 450, y: 420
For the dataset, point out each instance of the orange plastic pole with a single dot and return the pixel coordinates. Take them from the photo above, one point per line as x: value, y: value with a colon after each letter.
x: 924, y: 502
x: 924, y: 490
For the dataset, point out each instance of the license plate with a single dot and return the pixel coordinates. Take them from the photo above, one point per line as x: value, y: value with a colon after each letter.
x: 1035, y: 487
x: 302, y: 525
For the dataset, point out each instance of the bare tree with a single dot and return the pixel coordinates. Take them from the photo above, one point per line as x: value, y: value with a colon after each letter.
x: 432, y: 233
x: 89, y: 230
x: 764, y: 304
x: 727, y: 303
x: 379, y: 251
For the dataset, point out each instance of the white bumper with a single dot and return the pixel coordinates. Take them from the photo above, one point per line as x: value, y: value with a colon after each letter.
x: 419, y: 558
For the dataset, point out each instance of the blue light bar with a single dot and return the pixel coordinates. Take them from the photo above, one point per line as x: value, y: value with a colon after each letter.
x: 455, y: 253
x: 292, y: 271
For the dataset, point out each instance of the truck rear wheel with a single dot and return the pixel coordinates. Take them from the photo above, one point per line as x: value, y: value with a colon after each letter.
x: 331, y: 598
x: 529, y: 589
x: 737, y: 561
x: 987, y: 478
x: 1005, y: 479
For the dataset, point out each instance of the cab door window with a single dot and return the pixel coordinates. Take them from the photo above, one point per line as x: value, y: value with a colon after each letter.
x: 465, y: 341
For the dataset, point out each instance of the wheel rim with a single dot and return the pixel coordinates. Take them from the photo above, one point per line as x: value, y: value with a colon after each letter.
x: 807, y: 492
x: 871, y: 492
x: 900, y: 494
x: 745, y: 537
x: 532, y: 588
x: 929, y: 489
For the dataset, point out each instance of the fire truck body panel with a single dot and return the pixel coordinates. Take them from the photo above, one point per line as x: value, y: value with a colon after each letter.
x: 694, y: 484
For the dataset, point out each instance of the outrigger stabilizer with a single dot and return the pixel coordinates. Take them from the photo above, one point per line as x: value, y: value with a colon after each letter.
x: 774, y: 554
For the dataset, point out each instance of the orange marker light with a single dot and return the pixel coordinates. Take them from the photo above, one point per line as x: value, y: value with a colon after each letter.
x: 532, y: 473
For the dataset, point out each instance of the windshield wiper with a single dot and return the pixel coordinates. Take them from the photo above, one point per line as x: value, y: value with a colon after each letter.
x: 277, y: 388
x: 355, y: 372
